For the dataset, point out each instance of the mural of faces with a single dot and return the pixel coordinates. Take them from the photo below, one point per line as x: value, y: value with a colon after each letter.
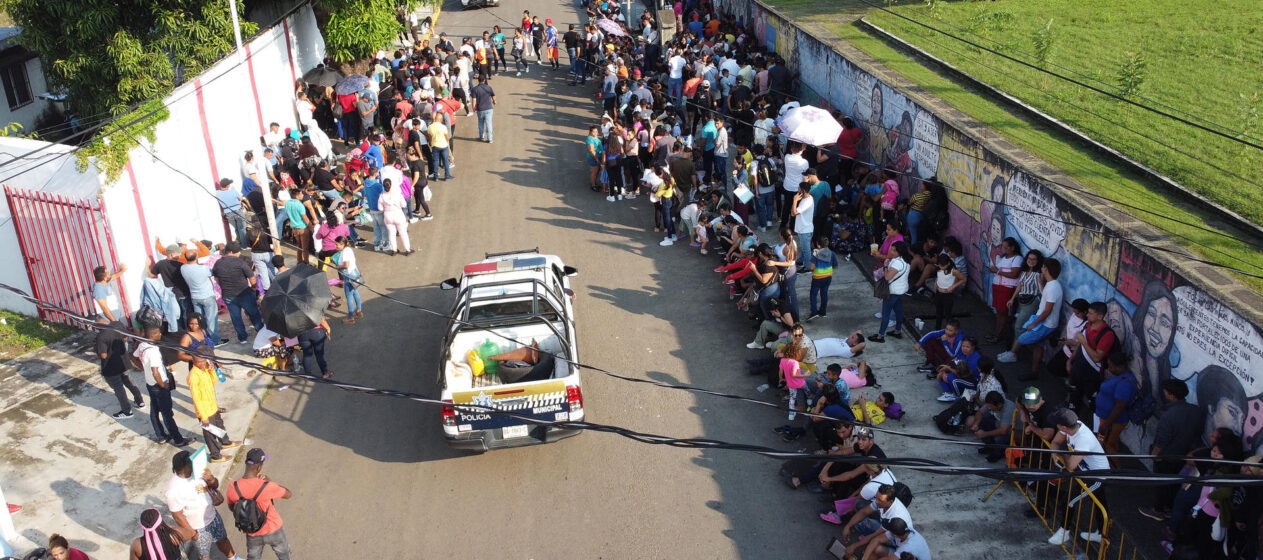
x: 1154, y: 325
x: 1221, y: 398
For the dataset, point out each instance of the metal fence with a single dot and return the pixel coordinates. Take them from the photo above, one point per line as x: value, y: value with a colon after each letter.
x: 1071, y: 504
x: 62, y: 241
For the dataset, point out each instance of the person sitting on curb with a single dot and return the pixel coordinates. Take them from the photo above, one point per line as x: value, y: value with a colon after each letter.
x: 940, y: 347
x: 991, y: 425
x: 871, y: 517
x: 904, y: 542
x: 1042, y: 324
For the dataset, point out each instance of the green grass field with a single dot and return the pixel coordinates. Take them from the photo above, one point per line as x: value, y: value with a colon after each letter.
x: 1096, y: 172
x: 20, y: 334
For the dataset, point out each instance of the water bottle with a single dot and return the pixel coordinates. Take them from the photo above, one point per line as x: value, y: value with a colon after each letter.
x: 219, y: 372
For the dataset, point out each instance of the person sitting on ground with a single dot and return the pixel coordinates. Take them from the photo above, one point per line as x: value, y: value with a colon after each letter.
x: 905, y: 542
x: 838, y: 440
x: 771, y: 330
x: 826, y: 404
x: 955, y: 379
x: 991, y: 425
x: 872, y: 516
x: 850, y: 347
x: 878, y: 474
x: 59, y: 549
x: 941, y: 346
x: 844, y: 478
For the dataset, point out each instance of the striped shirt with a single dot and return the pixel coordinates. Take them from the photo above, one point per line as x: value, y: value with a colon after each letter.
x: 824, y: 261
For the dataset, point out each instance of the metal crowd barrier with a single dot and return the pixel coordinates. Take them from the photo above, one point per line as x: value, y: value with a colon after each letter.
x: 1068, y: 503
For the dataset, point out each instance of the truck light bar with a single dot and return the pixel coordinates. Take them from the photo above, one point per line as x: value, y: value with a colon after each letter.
x: 505, y: 265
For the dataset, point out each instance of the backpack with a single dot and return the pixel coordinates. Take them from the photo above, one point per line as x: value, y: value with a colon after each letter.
x: 903, y: 493
x: 246, y: 513
x: 1142, y: 405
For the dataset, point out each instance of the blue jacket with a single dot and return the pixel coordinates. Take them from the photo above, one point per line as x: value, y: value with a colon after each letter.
x: 158, y: 296
x: 953, y: 347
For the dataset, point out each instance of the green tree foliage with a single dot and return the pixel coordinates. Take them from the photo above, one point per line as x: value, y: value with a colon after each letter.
x: 110, y: 56
x: 357, y: 28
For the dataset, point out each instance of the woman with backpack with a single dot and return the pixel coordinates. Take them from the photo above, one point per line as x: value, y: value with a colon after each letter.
x: 896, y: 277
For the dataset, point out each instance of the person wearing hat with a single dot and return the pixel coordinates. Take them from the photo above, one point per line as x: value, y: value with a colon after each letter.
x: 230, y: 202
x: 257, y: 486
x: 236, y: 283
x: 550, y: 41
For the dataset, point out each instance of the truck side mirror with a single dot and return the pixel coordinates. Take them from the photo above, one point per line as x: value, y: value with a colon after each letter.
x: 570, y: 271
x: 449, y: 284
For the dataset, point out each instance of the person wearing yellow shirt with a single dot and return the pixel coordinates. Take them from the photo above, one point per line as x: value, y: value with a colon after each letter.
x: 440, y: 145
x: 202, y: 380
x: 663, y: 186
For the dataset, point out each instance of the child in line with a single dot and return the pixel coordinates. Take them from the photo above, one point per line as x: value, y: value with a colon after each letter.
x: 822, y: 262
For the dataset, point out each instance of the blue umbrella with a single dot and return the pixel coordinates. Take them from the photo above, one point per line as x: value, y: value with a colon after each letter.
x: 351, y: 84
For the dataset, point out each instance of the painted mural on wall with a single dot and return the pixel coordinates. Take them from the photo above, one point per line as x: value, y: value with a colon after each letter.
x: 1168, y: 327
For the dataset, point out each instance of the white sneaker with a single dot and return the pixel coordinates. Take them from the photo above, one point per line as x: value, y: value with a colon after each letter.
x: 620, y: 197
x: 1094, y: 536
x: 877, y: 315
x: 1062, y: 536
x: 427, y: 218
x: 754, y: 346
x: 947, y: 397
x: 609, y: 198
x: 666, y: 242
x: 413, y: 220
x: 1006, y: 357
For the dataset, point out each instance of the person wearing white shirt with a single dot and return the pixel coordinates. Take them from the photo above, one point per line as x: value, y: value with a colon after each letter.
x: 159, y: 383
x: 804, y: 211
x: 795, y: 167
x: 675, y: 77
x: 1087, y: 455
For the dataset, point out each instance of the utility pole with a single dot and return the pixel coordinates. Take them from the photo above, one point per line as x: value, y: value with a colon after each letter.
x: 236, y: 30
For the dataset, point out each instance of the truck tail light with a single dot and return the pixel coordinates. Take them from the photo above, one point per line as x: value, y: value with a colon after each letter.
x: 449, y: 415
x: 574, y: 395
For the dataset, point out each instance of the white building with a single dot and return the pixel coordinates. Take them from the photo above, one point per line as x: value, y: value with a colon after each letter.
x: 23, y: 79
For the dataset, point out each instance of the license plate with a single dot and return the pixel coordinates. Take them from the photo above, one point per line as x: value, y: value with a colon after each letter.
x: 515, y: 431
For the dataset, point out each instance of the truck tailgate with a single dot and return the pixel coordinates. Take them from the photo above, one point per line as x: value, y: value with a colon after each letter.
x: 545, y: 400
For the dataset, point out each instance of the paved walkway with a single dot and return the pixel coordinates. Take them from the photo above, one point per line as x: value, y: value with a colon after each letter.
x: 77, y: 471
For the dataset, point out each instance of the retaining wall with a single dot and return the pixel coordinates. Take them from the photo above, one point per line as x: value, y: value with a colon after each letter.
x: 1174, y: 318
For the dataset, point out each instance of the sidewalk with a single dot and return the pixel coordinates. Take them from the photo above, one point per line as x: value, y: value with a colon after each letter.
x: 77, y: 471
x: 946, y: 509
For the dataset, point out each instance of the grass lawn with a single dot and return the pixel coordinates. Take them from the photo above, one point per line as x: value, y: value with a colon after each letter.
x: 20, y: 334
x: 1063, y: 151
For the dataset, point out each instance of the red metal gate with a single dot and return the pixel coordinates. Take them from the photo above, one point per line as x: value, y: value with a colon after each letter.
x: 62, y: 241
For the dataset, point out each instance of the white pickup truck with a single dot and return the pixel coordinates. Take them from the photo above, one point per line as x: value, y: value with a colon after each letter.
x: 515, y: 305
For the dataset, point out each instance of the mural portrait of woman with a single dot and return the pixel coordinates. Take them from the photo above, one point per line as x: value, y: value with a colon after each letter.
x: 1120, y: 322
x: 1154, y: 324
x: 1221, y: 398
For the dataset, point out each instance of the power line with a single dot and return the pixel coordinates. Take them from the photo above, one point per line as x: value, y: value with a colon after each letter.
x: 1099, y: 81
x: 1099, y: 229
x: 1126, y: 477
x: 1069, y: 79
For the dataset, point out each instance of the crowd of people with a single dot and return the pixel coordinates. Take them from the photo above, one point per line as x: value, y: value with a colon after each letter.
x: 692, y: 125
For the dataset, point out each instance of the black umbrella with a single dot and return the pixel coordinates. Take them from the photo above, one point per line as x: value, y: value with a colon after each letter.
x: 322, y: 76
x: 296, y: 301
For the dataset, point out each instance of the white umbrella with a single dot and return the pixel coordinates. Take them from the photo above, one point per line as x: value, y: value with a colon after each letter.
x: 810, y: 125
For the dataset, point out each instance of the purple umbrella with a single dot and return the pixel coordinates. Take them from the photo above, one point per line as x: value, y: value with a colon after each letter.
x: 610, y: 26
x: 351, y: 84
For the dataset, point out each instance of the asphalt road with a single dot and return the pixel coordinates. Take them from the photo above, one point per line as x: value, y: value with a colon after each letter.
x: 373, y: 473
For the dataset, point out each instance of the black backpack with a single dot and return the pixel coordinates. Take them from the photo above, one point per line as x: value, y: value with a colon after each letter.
x: 246, y: 513
x: 903, y: 493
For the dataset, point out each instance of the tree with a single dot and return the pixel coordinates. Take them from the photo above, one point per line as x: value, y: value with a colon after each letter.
x: 109, y: 57
x: 1045, y: 40
x: 355, y: 29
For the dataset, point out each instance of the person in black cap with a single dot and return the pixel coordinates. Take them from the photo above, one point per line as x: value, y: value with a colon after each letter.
x: 257, y: 486
x: 236, y: 283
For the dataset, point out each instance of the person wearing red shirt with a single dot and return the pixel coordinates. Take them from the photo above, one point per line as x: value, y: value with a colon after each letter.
x: 257, y: 486
x: 848, y: 141
x: 1096, y: 341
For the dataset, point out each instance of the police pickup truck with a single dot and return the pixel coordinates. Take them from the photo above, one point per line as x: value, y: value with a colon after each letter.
x: 514, y: 307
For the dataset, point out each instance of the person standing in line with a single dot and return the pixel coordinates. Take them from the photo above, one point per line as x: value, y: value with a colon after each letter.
x: 158, y: 540
x: 497, y: 40
x: 257, y: 486
x: 574, y: 51
x: 350, y: 272
x: 595, y: 156
x: 803, y: 212
x: 484, y: 103
x: 300, y: 222
x: 106, y: 303
x: 197, y: 277
x: 202, y: 380
x: 111, y: 347
x: 373, y: 190
x: 392, y: 205
x: 440, y: 146
x: 192, y: 502
x: 897, y: 271
x: 795, y: 167
x: 822, y: 262
x: 1179, y: 430
x: 313, y: 345
x: 721, y: 153
x: 261, y: 253
x: 159, y: 382
x: 231, y: 202
x: 236, y: 284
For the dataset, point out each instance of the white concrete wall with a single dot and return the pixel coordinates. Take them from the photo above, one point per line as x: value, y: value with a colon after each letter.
x: 214, y: 119
x: 27, y: 114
